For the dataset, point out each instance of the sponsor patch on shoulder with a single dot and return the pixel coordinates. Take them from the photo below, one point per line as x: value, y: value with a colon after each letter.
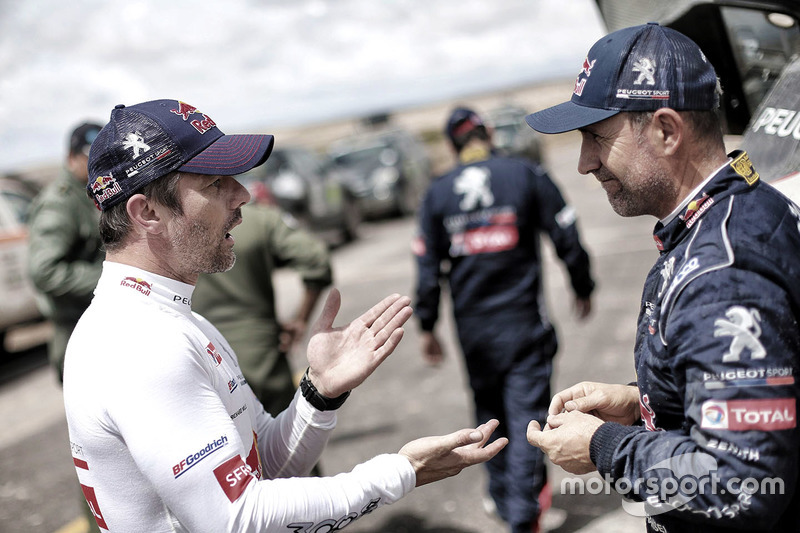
x: 744, y: 167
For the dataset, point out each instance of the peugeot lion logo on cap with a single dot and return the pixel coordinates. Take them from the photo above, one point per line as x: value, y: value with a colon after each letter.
x: 642, y: 68
x: 146, y: 141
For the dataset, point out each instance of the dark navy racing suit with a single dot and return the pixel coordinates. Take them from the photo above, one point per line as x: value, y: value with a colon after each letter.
x: 485, y: 219
x: 716, y: 356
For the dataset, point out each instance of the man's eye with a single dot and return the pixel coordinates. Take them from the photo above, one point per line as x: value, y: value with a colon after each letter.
x: 217, y: 183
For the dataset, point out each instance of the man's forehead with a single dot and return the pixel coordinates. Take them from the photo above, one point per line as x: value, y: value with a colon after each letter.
x: 611, y: 123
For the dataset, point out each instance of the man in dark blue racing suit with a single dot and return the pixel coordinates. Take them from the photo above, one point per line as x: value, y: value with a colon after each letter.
x: 707, y: 439
x: 484, y: 217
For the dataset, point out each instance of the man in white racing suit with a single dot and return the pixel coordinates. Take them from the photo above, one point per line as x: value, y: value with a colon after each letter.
x: 166, y: 434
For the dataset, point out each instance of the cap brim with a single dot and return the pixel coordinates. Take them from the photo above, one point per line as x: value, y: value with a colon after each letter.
x: 231, y: 154
x: 567, y: 117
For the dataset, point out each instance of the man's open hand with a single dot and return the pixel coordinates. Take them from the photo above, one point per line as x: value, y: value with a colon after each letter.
x: 435, y: 458
x: 340, y: 359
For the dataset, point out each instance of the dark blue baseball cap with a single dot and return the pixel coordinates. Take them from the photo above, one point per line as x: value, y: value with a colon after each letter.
x: 641, y: 68
x: 146, y: 141
x: 460, y: 123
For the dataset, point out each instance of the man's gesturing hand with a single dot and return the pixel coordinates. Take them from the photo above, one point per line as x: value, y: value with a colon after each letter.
x: 340, y: 359
x: 435, y: 458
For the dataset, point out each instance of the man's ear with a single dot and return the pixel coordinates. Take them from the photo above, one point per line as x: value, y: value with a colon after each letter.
x: 144, y: 214
x: 669, y: 128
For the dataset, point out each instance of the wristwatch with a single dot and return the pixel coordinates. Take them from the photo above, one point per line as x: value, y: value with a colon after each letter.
x: 320, y: 402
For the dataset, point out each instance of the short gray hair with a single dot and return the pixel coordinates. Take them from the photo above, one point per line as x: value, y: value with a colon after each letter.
x: 115, y: 225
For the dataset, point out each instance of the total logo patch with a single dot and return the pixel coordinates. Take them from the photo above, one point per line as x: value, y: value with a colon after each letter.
x: 744, y: 415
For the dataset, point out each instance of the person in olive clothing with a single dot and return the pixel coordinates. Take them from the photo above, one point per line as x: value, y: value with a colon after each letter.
x: 241, y: 301
x: 65, y: 253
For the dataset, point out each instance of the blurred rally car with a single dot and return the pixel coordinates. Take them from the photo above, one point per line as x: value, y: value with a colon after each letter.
x: 390, y: 170
x: 310, y: 188
x: 18, y: 304
x: 754, y: 46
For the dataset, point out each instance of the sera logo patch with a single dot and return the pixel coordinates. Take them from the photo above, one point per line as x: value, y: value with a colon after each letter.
x: 744, y: 415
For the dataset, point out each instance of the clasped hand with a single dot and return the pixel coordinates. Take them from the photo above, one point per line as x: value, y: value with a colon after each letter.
x: 574, y: 416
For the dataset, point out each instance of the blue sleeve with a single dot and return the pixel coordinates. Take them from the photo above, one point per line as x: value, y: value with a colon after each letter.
x: 430, y: 249
x: 559, y: 220
x: 730, y: 362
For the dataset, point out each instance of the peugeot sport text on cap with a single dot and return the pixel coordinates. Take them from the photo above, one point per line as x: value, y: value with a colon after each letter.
x: 641, y: 68
x: 146, y: 141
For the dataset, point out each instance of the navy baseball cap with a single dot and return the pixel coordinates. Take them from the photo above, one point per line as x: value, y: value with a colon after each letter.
x: 146, y: 141
x: 641, y: 68
x: 461, y: 122
x: 82, y: 137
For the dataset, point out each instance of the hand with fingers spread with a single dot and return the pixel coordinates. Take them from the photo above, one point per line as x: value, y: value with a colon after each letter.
x: 436, y: 458
x: 610, y: 403
x: 341, y: 358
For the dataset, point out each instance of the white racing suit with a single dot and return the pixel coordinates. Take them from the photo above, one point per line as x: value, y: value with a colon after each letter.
x: 166, y: 434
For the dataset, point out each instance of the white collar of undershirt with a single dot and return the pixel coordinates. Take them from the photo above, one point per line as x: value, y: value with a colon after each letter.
x: 669, y: 218
x: 162, y: 290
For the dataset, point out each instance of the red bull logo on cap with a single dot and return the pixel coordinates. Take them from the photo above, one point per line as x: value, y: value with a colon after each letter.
x: 104, y: 187
x: 101, y: 183
x: 204, y: 125
x: 184, y: 110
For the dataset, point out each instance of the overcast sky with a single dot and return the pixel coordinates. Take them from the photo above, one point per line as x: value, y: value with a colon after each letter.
x: 276, y: 63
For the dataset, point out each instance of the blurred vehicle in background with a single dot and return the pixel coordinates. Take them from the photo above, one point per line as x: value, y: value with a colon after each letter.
x: 754, y: 46
x: 309, y: 187
x: 512, y: 135
x: 389, y: 171
x: 18, y: 304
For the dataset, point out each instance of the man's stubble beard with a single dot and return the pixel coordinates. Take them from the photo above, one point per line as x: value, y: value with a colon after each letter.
x: 193, y: 242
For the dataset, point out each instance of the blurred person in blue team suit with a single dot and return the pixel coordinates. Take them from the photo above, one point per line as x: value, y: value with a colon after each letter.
x: 484, y: 218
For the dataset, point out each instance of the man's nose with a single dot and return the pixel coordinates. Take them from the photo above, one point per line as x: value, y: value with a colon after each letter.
x: 588, y: 160
x: 240, y: 194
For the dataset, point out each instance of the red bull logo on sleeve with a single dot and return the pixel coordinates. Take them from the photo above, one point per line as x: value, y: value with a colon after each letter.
x: 137, y: 284
x: 194, y: 458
